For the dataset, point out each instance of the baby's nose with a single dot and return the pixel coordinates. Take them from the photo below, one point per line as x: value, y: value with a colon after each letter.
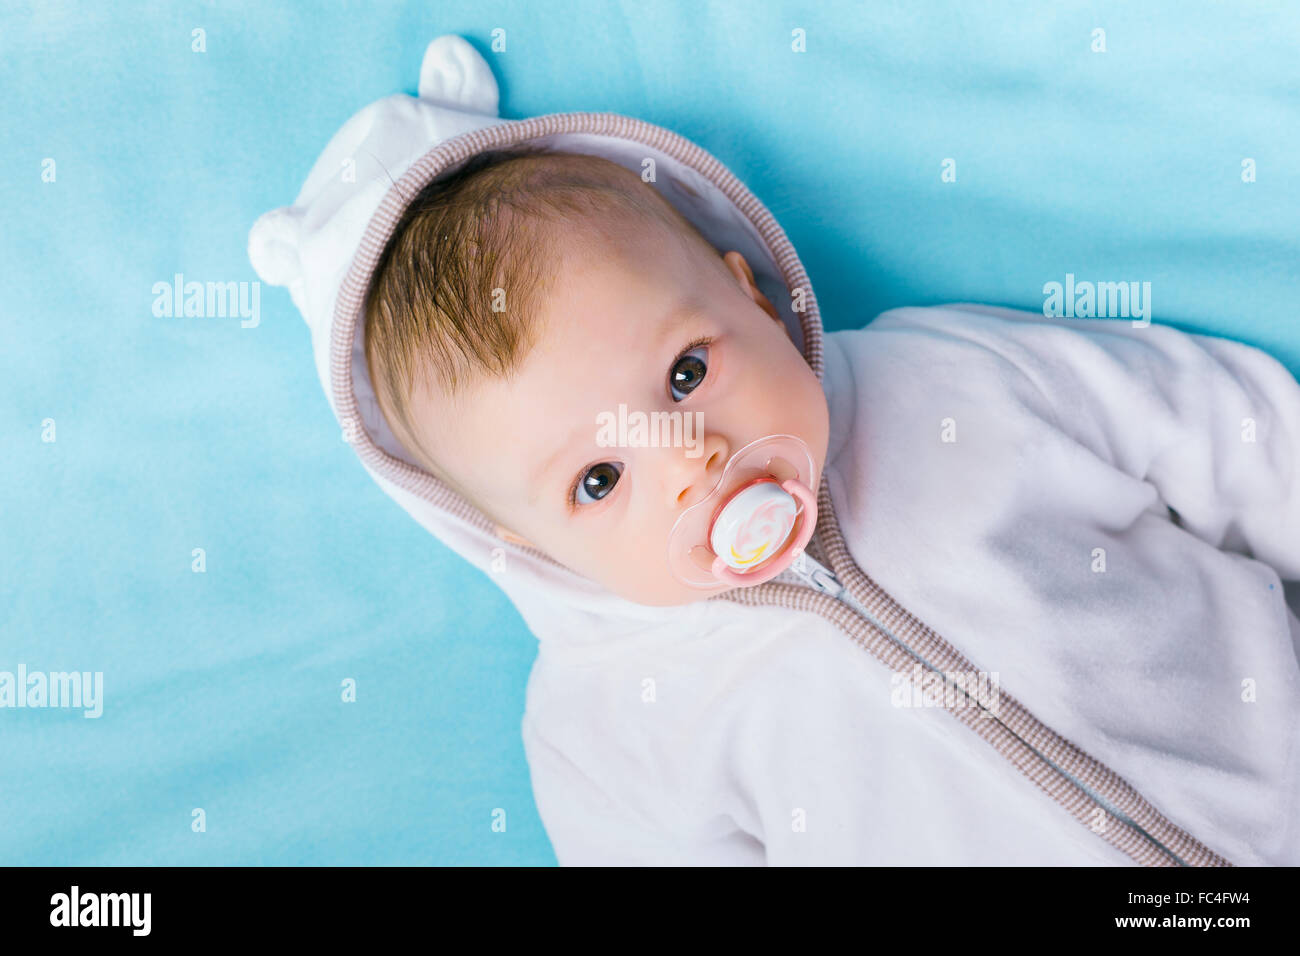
x: 692, y: 477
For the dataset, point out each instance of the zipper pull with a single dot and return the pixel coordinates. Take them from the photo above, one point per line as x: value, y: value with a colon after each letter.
x: 822, y: 579
x: 817, y: 575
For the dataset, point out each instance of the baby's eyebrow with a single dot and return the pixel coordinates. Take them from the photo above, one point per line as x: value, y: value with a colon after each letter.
x: 683, y: 313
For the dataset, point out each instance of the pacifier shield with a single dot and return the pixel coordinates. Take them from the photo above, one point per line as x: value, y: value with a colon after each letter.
x: 753, y: 523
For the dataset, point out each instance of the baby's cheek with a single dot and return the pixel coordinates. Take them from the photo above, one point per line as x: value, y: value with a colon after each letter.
x: 634, y: 564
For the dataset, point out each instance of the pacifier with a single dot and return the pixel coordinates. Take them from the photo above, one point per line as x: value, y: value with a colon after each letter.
x: 754, y: 522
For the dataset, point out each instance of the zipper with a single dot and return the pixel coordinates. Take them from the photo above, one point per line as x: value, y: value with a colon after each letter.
x: 823, y: 580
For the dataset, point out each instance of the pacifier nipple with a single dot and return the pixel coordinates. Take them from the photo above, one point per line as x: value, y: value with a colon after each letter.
x: 754, y: 522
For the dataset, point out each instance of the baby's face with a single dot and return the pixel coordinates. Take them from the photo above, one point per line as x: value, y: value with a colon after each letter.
x: 656, y: 327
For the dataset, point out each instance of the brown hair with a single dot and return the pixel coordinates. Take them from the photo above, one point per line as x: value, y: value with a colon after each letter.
x: 474, y: 241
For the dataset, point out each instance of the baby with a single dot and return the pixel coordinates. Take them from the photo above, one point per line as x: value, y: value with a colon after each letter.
x: 1100, y: 522
x: 610, y: 297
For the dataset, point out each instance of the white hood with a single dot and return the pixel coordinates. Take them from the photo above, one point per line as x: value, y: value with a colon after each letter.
x: 324, y: 248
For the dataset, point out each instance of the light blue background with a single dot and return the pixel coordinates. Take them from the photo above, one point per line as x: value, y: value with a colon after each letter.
x: 222, y: 689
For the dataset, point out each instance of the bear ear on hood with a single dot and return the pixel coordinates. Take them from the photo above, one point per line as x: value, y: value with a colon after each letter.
x: 273, y: 245
x: 454, y: 74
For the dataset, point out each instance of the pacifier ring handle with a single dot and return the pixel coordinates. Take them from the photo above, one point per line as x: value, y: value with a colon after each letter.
x: 726, y: 575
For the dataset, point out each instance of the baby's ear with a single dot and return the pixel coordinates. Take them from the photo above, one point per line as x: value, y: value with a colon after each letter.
x: 745, y: 276
x: 505, y: 534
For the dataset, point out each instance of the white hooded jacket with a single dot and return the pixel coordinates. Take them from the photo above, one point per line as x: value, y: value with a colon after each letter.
x: 1091, y: 521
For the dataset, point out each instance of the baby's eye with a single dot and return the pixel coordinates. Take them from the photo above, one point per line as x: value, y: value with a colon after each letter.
x: 596, y: 482
x: 688, y: 372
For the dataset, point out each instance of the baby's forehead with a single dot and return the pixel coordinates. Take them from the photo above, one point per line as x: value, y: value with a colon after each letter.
x: 614, y: 311
x: 634, y: 252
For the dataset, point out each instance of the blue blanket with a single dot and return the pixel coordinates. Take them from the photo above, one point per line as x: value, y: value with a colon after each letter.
x: 179, y: 512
